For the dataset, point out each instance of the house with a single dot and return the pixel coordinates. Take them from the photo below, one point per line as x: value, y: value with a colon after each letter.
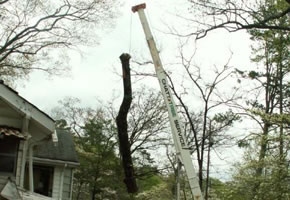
x: 36, y: 159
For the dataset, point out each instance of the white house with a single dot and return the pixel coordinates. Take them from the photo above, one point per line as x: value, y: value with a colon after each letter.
x: 36, y: 160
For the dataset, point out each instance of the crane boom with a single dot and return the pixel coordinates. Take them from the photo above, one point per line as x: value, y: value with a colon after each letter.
x: 179, y: 139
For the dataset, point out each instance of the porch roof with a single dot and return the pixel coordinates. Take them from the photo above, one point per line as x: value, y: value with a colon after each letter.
x: 8, y: 131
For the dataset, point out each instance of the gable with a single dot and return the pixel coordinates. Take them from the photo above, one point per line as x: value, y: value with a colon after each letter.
x: 9, y: 116
x: 14, y: 108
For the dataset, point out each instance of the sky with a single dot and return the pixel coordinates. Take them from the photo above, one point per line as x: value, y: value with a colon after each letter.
x: 94, y: 73
x: 96, y: 67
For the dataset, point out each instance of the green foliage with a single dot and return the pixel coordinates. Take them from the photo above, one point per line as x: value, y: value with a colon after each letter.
x: 149, y: 182
x: 273, y: 118
x: 226, y: 118
x: 262, y: 175
x: 62, y: 124
x: 253, y: 74
x: 99, y: 174
x: 243, y: 143
x: 159, y: 191
x: 247, y: 186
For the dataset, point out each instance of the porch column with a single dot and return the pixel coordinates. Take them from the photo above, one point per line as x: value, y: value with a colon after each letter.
x: 25, y: 132
x: 31, y: 184
x: 23, y: 162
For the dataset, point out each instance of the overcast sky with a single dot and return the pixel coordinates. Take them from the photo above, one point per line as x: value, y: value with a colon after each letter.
x: 93, y: 73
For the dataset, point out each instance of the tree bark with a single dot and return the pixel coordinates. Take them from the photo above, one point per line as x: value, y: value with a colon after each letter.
x: 122, y: 126
x: 208, y: 163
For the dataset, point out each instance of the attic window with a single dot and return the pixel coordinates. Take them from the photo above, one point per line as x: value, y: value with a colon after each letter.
x: 8, y: 153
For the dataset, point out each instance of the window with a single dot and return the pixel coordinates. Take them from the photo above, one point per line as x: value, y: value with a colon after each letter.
x: 42, y: 179
x: 8, y: 153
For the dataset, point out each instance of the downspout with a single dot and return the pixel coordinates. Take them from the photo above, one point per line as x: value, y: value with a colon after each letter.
x: 30, y: 160
x: 28, y: 149
x: 25, y: 132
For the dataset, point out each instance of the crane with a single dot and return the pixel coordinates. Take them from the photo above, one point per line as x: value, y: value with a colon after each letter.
x: 179, y: 139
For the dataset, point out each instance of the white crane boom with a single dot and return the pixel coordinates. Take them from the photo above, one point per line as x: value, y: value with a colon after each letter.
x: 176, y: 129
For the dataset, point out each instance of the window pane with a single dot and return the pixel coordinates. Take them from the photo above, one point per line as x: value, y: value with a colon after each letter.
x: 8, y: 153
x: 7, y: 163
x: 8, y: 145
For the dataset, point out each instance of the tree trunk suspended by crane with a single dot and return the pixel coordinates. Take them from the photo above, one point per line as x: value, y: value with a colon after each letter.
x: 122, y: 126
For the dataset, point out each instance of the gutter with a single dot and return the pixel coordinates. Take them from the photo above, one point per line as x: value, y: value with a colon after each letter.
x: 55, y: 162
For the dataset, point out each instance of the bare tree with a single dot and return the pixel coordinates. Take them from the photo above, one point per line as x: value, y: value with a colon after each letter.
x: 34, y: 34
x: 208, y: 121
x: 73, y: 115
x: 236, y: 15
x: 148, y: 119
x: 206, y: 127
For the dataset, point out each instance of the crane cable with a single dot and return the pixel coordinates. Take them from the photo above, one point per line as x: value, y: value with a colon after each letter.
x: 130, y: 34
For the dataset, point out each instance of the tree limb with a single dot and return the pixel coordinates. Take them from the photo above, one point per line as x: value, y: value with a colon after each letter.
x: 122, y: 126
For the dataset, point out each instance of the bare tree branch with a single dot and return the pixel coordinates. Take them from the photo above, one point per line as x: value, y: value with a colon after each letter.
x: 37, y: 30
x: 235, y: 16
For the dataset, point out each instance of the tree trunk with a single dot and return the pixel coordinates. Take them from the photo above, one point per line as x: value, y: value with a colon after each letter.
x: 269, y: 106
x: 268, y: 100
x: 79, y: 191
x: 208, y: 163
x: 95, y: 189
x: 122, y: 126
x: 281, y: 133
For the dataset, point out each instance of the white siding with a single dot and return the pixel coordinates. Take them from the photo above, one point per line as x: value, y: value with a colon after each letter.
x: 56, y: 182
x: 67, y: 181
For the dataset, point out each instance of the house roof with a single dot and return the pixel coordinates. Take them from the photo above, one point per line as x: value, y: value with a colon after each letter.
x: 63, y: 151
x: 12, y: 97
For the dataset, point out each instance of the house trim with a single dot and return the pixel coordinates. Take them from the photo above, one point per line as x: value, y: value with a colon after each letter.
x: 54, y: 162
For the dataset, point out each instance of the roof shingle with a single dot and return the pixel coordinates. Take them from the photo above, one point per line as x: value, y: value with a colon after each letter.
x: 64, y: 151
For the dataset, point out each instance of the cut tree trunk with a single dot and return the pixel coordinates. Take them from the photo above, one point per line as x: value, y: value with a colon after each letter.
x: 122, y: 126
